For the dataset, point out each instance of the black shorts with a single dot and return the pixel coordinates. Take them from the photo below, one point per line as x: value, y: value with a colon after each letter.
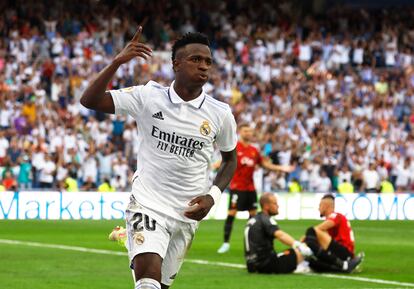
x: 339, y: 251
x: 335, y: 249
x: 243, y: 200
x: 279, y: 263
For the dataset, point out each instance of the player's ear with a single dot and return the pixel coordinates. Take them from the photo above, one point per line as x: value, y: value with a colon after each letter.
x: 176, y: 65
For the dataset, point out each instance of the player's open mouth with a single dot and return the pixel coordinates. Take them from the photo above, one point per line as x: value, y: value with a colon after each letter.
x: 203, y: 76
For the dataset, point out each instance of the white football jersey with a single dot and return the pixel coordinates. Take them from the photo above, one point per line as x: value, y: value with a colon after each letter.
x: 175, y: 144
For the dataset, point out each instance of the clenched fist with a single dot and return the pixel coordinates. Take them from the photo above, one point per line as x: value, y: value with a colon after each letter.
x: 199, y: 207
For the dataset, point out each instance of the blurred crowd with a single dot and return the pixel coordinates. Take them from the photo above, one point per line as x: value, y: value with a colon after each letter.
x: 331, y: 93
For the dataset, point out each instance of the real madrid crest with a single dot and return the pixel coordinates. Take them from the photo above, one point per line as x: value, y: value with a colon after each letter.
x: 139, y: 238
x: 205, y: 128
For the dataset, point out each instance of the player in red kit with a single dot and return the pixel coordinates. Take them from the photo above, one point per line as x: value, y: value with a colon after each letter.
x: 332, y: 241
x: 243, y: 196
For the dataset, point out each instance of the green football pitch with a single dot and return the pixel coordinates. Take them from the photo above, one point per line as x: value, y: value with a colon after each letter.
x: 77, y: 254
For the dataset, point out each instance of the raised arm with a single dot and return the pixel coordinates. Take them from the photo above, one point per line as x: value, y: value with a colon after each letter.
x: 266, y: 164
x: 95, y: 96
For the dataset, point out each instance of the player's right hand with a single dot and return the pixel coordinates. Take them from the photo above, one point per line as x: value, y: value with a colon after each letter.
x: 199, y: 207
x: 134, y: 49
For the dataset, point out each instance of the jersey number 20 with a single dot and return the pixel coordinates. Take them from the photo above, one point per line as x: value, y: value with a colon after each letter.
x: 148, y: 222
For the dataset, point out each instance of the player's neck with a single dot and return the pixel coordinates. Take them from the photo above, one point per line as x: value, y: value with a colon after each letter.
x: 328, y: 213
x: 244, y: 142
x: 185, y: 91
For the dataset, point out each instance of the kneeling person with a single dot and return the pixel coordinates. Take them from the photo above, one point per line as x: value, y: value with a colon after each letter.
x: 259, y: 234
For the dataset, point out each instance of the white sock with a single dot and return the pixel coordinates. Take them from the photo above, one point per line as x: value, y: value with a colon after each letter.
x: 345, y: 265
x: 147, y: 283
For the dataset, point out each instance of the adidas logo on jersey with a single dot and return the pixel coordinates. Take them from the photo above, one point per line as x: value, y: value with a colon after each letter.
x: 158, y: 115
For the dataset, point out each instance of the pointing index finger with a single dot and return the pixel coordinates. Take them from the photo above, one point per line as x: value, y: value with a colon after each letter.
x: 137, y: 35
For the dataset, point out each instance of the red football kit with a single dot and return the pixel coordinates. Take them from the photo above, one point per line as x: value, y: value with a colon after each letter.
x: 342, y: 232
x: 247, y: 159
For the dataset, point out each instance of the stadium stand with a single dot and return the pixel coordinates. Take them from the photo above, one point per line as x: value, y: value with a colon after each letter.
x: 332, y: 94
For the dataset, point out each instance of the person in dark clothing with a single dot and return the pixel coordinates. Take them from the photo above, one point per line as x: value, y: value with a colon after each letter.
x: 259, y: 234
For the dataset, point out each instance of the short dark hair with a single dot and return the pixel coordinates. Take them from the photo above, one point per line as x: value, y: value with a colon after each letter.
x: 243, y: 124
x: 329, y: 196
x: 189, y: 38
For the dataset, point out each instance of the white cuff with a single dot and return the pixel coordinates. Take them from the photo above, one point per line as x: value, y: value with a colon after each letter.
x: 215, y: 193
x: 296, y: 244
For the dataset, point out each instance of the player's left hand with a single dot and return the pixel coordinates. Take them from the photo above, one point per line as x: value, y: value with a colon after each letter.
x: 199, y: 207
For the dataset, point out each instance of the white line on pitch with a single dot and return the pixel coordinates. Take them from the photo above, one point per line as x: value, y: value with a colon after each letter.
x: 195, y: 261
x: 364, y: 279
x: 205, y: 262
x: 62, y: 247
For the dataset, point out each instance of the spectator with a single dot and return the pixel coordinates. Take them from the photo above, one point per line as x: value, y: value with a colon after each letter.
x: 105, y: 160
x: 14, y: 151
x: 89, y: 185
x: 304, y: 177
x: 9, y: 181
x: 47, y: 173
x: 71, y: 184
x: 324, y: 184
x: 403, y: 176
x: 371, y: 179
x: 344, y: 175
x: 106, y: 186
x: 118, y: 183
x: 294, y: 186
x: 345, y: 187
x: 38, y: 160
x: 24, y: 176
x: 122, y: 171
x: 386, y: 186
x: 4, y: 145
x: 89, y: 168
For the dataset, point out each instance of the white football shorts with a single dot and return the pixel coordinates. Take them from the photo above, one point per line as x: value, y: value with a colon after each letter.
x: 149, y: 231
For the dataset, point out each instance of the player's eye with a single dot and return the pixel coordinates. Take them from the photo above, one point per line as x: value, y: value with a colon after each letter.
x: 196, y: 59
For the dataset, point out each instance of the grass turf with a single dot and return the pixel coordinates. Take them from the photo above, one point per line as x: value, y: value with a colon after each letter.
x: 388, y: 246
